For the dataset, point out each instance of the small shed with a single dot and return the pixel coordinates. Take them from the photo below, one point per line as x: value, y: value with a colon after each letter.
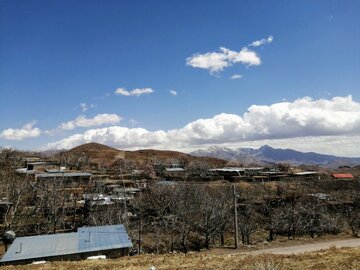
x: 112, y: 241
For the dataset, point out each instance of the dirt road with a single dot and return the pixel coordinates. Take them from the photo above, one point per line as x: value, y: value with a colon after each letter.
x: 355, y: 242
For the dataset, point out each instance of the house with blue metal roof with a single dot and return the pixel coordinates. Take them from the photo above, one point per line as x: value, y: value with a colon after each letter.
x: 112, y: 241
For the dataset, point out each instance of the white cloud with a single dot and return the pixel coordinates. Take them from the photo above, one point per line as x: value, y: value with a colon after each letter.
x: 122, y: 91
x: 135, y: 92
x: 27, y: 131
x: 295, y: 121
x: 262, y: 41
x: 236, y: 76
x: 173, y: 92
x: 98, y: 120
x: 133, y: 122
x: 218, y: 61
x: 115, y: 136
x: 84, y: 107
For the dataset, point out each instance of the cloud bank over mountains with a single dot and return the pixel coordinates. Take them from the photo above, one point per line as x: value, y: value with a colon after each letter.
x: 315, y: 121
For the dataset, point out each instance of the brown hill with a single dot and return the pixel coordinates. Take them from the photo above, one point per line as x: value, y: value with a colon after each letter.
x: 98, y: 153
x: 168, y: 156
x: 103, y: 154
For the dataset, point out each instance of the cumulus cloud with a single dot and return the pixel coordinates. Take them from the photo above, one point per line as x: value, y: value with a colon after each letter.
x: 135, y: 92
x: 291, y: 121
x: 27, y: 131
x: 173, y: 92
x: 236, y: 76
x: 262, y: 41
x: 115, y: 136
x: 98, y: 120
x: 218, y: 61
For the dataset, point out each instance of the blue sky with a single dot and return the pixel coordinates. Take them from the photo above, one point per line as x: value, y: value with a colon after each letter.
x: 61, y: 63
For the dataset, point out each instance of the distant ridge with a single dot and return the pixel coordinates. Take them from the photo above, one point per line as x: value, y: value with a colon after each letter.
x: 267, y: 154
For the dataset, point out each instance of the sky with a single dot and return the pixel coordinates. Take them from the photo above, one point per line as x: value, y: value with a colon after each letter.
x: 180, y: 75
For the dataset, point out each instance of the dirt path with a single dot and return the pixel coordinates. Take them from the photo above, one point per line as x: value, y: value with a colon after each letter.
x: 355, y: 242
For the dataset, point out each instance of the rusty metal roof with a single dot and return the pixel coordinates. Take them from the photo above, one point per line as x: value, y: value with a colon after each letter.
x: 342, y: 175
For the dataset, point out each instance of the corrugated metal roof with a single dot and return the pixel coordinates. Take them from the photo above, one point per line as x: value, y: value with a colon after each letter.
x: 40, y: 246
x: 103, y: 238
x: 305, y: 173
x: 175, y: 169
x: 65, y: 174
x: 237, y: 169
x: 228, y: 170
x: 342, y: 175
x: 86, y: 239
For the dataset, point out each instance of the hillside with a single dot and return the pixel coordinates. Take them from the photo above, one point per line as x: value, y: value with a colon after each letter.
x: 98, y: 153
x: 169, y: 156
x: 103, y: 154
x: 267, y: 154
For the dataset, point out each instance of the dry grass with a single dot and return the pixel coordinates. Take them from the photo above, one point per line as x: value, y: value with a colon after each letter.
x: 98, y: 153
x: 103, y: 154
x: 348, y: 258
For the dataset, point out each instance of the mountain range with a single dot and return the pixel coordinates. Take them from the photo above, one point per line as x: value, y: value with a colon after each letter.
x: 266, y: 154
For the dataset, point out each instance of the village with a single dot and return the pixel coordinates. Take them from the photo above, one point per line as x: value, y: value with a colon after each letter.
x: 74, y: 208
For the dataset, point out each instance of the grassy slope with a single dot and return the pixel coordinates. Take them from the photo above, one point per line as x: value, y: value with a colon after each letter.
x: 347, y: 258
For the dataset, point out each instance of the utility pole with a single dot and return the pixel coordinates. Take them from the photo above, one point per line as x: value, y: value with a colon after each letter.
x: 124, y: 192
x: 236, y: 220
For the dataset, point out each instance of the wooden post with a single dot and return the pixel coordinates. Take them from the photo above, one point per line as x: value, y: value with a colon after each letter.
x: 236, y: 227
x: 139, y: 238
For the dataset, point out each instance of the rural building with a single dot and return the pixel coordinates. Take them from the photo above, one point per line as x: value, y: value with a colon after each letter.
x: 307, y: 175
x: 68, y: 178
x: 239, y: 173
x: 174, y: 173
x: 345, y: 176
x: 111, y: 241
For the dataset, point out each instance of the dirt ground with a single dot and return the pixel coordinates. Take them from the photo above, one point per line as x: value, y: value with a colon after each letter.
x: 282, y: 242
x: 2, y: 250
x: 334, y: 259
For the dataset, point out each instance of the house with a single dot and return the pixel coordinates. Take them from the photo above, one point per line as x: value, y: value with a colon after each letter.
x: 232, y: 173
x: 174, y: 173
x: 111, y: 240
x: 343, y: 176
